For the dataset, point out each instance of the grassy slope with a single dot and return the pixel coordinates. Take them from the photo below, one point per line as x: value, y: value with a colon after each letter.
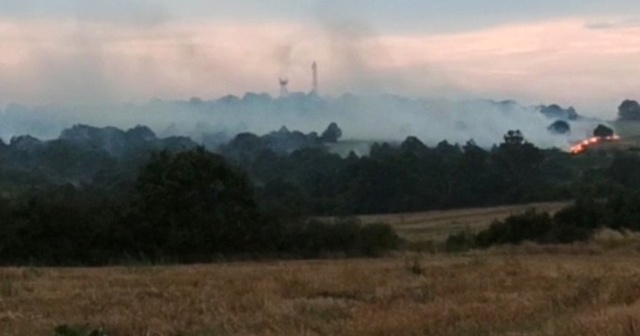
x: 437, y: 225
x: 525, y: 291
x: 479, y: 294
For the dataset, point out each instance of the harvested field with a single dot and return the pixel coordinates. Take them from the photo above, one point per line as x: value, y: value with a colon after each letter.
x: 437, y: 225
x: 475, y: 294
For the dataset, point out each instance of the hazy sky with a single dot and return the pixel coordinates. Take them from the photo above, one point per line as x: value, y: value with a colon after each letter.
x: 578, y: 52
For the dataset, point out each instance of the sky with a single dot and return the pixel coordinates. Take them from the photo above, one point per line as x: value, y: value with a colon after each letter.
x: 583, y: 53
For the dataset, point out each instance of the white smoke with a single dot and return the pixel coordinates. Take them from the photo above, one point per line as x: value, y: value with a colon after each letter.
x: 122, y: 50
x: 361, y: 117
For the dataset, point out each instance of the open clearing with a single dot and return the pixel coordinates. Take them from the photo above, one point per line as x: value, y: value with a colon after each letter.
x: 437, y: 225
x: 476, y: 294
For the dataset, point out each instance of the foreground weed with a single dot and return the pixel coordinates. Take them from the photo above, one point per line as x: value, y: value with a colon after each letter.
x: 421, y: 294
x: 211, y: 332
x: 31, y: 273
x: 632, y: 327
x: 414, y: 265
x: 477, y: 331
x: 513, y: 267
x: 476, y: 261
x: 65, y: 330
x: 584, y: 292
x: 424, y: 246
x: 7, y: 288
x: 323, y: 312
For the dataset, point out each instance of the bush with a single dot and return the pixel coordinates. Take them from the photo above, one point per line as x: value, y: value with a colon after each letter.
x: 460, y: 242
x: 376, y: 239
x: 347, y: 237
x: 585, y: 214
x: 577, y: 222
x: 530, y: 226
x: 65, y: 330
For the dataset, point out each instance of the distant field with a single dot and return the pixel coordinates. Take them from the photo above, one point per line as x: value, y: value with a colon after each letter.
x: 477, y: 294
x: 437, y: 225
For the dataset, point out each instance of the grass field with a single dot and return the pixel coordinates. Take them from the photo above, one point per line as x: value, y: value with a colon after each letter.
x: 476, y: 294
x: 437, y: 225
x: 585, y: 289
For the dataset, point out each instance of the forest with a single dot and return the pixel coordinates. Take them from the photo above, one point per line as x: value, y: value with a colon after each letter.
x: 106, y: 196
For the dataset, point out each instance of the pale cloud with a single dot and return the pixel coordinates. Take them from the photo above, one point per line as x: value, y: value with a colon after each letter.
x: 558, y: 61
x: 565, y: 60
x: 612, y: 23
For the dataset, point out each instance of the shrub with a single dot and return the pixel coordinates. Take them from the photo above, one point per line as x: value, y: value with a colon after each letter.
x: 530, y: 226
x: 577, y: 222
x: 66, y: 330
x: 375, y: 239
x: 460, y: 242
x: 346, y: 236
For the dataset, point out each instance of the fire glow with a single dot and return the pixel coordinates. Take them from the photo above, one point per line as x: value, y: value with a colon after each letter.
x: 585, y: 144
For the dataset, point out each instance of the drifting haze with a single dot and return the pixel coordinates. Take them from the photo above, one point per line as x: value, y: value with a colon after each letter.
x: 115, y: 51
x: 365, y: 118
x: 98, y: 62
x: 566, y: 62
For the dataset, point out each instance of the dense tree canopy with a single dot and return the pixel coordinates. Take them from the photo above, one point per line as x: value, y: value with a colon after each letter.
x: 629, y: 110
x: 190, y: 206
x: 193, y: 202
x: 332, y: 133
x: 94, y: 199
x: 559, y: 127
x: 603, y: 131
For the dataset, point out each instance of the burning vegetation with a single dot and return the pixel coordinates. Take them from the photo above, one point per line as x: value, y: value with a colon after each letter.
x: 600, y: 134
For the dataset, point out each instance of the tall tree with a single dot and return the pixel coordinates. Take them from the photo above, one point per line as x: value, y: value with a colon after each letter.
x: 629, y: 110
x: 194, y: 204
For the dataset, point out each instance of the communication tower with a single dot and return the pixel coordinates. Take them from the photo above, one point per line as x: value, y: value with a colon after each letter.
x: 314, y: 85
x: 284, y: 91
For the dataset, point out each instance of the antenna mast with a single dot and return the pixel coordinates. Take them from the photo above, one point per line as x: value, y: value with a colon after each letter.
x: 284, y: 91
x: 314, y: 86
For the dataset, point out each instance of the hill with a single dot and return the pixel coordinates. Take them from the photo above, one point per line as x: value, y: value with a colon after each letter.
x: 438, y: 225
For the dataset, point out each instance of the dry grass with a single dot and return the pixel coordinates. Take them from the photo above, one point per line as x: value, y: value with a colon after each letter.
x: 583, y: 289
x: 437, y: 225
x: 476, y: 294
x: 617, y: 240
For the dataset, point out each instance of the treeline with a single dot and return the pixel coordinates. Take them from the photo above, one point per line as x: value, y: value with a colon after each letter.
x: 411, y: 176
x: 186, y: 207
x: 578, y: 222
x: 298, y: 174
x: 100, y: 196
x: 80, y: 155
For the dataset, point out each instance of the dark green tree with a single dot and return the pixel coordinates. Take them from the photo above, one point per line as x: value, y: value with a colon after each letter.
x: 518, y: 164
x: 193, y: 205
x: 331, y: 134
x: 513, y: 138
x: 602, y: 131
x: 629, y: 110
x: 559, y: 127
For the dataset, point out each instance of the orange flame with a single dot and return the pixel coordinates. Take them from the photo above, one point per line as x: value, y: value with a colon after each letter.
x: 584, y: 144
